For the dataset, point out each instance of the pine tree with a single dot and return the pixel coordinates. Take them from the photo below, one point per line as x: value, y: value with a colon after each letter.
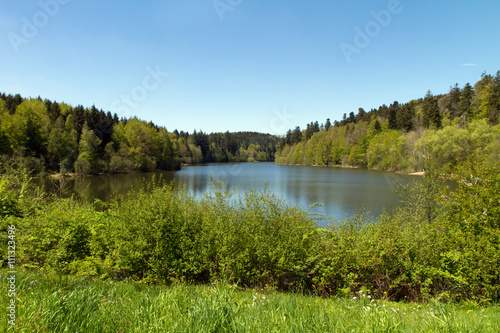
x: 452, y: 102
x: 431, y: 115
x: 404, y: 117
x: 393, y: 111
x: 465, y: 104
x: 296, y: 136
x: 328, y: 124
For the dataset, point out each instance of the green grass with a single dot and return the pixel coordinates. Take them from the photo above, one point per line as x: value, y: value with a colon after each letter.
x: 50, y: 303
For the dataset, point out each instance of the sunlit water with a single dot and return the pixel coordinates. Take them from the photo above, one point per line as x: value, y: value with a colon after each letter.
x: 341, y: 191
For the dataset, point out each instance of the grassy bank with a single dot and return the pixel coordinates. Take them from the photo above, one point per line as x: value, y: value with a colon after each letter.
x: 49, y: 303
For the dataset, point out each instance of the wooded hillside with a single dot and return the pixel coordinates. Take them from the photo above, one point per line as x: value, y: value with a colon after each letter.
x: 434, y: 132
x: 46, y: 136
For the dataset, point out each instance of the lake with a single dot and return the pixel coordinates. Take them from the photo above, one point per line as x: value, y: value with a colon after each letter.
x: 341, y: 191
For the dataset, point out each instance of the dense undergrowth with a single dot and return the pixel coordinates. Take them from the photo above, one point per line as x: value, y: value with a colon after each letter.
x: 438, y: 245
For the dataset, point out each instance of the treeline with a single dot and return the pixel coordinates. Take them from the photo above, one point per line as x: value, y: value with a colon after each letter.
x: 431, y: 133
x: 47, y: 136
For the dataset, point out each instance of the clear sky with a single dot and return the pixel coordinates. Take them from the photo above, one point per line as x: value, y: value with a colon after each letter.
x: 243, y: 65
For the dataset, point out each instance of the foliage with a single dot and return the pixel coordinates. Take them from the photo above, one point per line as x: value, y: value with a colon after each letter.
x: 56, y: 137
x: 473, y: 227
x: 435, y: 133
x: 163, y: 233
x: 436, y: 245
x: 58, y: 304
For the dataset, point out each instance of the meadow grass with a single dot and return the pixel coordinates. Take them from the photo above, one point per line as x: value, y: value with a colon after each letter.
x: 53, y: 303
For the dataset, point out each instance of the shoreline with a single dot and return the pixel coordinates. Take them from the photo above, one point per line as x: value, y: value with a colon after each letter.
x: 421, y: 173
x: 418, y: 173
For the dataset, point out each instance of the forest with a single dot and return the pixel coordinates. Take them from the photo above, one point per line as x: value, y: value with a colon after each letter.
x: 434, y: 133
x: 50, y: 137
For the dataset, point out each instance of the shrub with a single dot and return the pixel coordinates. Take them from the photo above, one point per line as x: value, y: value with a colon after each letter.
x: 473, y: 227
x: 435, y: 245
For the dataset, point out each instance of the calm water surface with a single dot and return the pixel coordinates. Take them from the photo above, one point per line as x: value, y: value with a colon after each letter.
x: 341, y: 191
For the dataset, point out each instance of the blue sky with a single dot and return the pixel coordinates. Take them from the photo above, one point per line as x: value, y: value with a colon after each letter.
x: 242, y: 65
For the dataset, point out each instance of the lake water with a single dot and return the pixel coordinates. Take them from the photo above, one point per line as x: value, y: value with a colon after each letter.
x: 341, y: 191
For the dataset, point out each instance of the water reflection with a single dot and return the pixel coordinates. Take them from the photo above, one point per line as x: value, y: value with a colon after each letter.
x: 341, y: 191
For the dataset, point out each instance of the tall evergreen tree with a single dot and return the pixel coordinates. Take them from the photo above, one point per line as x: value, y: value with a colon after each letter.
x: 494, y: 107
x: 405, y: 116
x: 452, y: 102
x: 328, y: 124
x: 465, y: 104
x: 431, y: 115
x: 361, y: 114
x: 296, y: 136
x: 352, y: 118
x: 392, y: 117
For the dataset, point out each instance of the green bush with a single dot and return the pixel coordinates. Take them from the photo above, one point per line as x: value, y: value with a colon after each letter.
x: 157, y: 235
x: 473, y: 227
x: 257, y: 239
x: 57, y: 235
x: 436, y: 245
